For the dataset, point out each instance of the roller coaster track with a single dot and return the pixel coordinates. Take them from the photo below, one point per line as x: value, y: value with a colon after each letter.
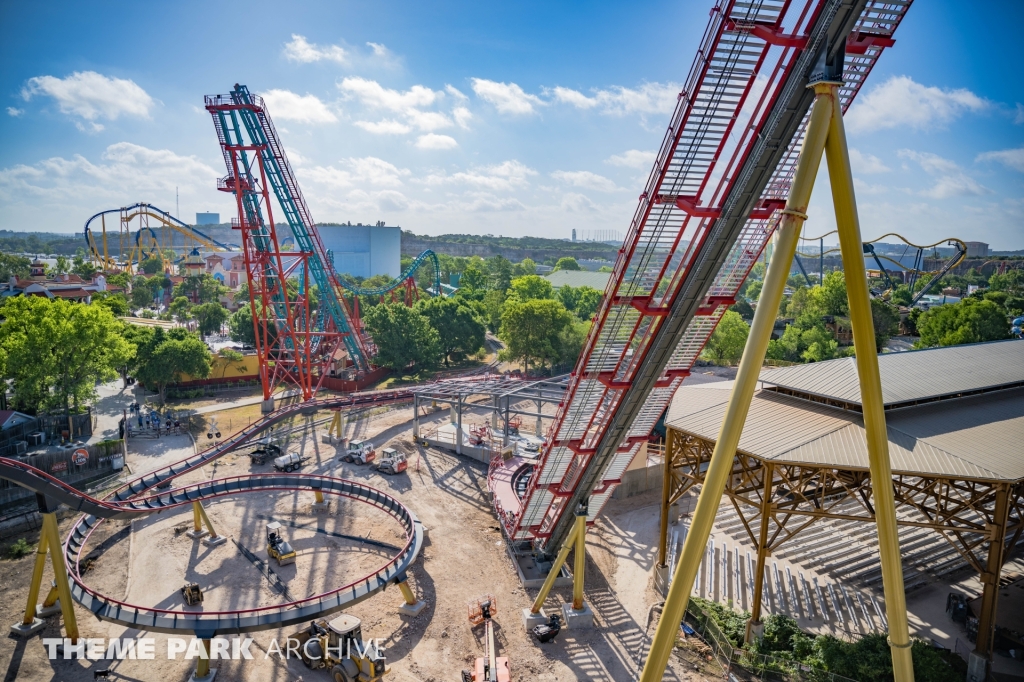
x: 400, y: 280
x: 915, y: 271
x: 128, y: 213
x: 711, y: 203
x: 129, y: 502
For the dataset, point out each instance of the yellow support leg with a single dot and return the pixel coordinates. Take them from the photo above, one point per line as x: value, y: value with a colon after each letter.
x: 203, y: 664
x: 60, y: 575
x: 37, y: 579
x: 407, y: 594
x: 197, y: 519
x: 743, y: 390
x: 197, y: 509
x: 319, y: 497
x: 580, y: 564
x: 848, y: 224
x: 556, y: 567
x: 51, y: 598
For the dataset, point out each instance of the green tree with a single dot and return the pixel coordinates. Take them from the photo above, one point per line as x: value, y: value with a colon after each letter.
x: 581, y: 301
x: 181, y: 308
x: 116, y: 303
x: 533, y: 330
x: 567, y: 263
x: 152, y: 265
x: 727, y: 342
x: 82, y: 267
x: 832, y: 294
x: 63, y: 265
x: 499, y: 273
x: 530, y: 288
x: 1011, y: 281
x: 166, y: 357
x: 818, y: 345
x: 205, y: 289
x: 402, y: 335
x: 901, y: 295
x: 886, y: 322
x: 11, y: 266
x: 526, y: 267
x: 141, y: 295
x: 493, y: 304
x: 459, y: 331
x: 240, y: 326
x: 969, y: 321
x: 473, y: 278
x: 57, y: 351
x: 571, y: 341
x: 209, y: 317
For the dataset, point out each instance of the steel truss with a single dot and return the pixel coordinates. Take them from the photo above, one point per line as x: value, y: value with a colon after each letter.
x: 710, y: 205
x: 983, y: 520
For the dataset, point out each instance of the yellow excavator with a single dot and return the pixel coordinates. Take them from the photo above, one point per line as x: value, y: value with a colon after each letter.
x: 339, y: 647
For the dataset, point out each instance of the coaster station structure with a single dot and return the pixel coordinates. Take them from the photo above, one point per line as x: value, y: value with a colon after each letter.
x: 294, y: 346
x: 720, y: 187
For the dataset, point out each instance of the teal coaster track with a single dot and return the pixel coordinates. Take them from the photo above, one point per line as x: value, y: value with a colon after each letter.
x: 401, y: 279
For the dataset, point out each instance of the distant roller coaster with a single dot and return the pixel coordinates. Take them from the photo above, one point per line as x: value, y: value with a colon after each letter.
x: 125, y: 251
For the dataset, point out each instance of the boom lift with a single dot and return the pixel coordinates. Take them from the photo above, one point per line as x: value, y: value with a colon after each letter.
x: 488, y: 668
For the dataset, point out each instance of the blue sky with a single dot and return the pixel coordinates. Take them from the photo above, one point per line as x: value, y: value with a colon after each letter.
x: 517, y: 119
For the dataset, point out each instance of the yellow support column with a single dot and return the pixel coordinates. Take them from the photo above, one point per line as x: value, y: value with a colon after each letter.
x: 579, y: 566
x: 743, y: 390
x: 412, y: 605
x: 199, y: 518
x: 60, y: 575
x: 850, y: 244
x: 203, y: 664
x: 320, y: 505
x: 535, y: 614
x: 30, y: 624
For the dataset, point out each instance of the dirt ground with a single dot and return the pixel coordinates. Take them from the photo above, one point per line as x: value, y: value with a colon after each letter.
x: 147, y: 561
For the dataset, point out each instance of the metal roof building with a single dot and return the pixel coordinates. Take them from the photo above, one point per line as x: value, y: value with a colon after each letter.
x: 955, y: 423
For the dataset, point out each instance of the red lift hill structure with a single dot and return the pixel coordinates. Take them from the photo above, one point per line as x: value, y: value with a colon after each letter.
x: 762, y: 104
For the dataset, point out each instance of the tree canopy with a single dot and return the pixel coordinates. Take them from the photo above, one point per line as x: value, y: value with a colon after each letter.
x: 529, y: 288
x: 56, y: 351
x: 152, y: 265
x: 969, y: 321
x: 209, y: 317
x: 459, y: 331
x: 727, y: 342
x: 201, y: 288
x: 581, y: 301
x: 13, y: 265
x: 533, y: 331
x: 163, y: 357
x: 567, y: 263
x: 402, y: 335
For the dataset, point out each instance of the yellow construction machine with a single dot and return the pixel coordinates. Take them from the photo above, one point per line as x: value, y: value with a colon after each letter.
x: 192, y: 594
x: 277, y: 547
x: 339, y: 647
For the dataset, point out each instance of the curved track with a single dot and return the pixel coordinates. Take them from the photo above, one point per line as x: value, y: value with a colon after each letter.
x: 398, y: 281
x: 128, y: 502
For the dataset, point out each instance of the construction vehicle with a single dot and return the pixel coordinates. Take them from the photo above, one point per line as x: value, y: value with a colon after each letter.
x: 290, y: 462
x: 339, y: 646
x: 264, y: 450
x: 277, y: 547
x: 192, y: 594
x: 488, y: 668
x: 392, y: 461
x: 479, y: 434
x: 359, y: 452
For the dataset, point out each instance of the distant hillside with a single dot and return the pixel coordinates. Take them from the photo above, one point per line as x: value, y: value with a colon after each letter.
x: 513, y: 248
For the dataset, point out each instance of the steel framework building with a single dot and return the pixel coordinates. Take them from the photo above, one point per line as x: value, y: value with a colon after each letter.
x: 954, y: 418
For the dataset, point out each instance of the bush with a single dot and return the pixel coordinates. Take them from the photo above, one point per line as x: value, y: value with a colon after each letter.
x: 18, y: 549
x: 733, y: 625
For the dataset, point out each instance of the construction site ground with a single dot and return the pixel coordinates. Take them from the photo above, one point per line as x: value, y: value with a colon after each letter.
x: 464, y: 557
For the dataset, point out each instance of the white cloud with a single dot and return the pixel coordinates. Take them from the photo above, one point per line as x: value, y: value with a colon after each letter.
x: 289, y: 106
x: 866, y: 164
x: 585, y: 179
x: 577, y: 203
x: 379, y: 50
x: 902, y: 102
x: 428, y: 120
x: 385, y: 127
x: 1011, y: 158
x: 456, y: 93
x: 368, y: 170
x: 649, y: 98
x: 508, y: 98
x: 12, y: 111
x: 303, y: 51
x: 951, y: 180
x: 1018, y: 114
x: 503, y: 176
x: 462, y: 116
x: 435, y: 141
x: 374, y: 95
x: 91, y: 96
x: 125, y: 173
x: 633, y: 158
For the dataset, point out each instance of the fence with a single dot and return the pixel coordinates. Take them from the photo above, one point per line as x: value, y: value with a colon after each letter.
x: 742, y: 664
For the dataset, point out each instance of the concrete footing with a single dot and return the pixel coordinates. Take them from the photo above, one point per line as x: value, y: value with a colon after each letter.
x: 661, y: 578
x: 213, y: 542
x: 756, y: 630
x: 412, y: 609
x: 321, y: 507
x: 577, y: 620
x: 22, y: 630
x: 47, y: 611
x: 267, y: 405
x: 532, y: 620
x: 196, y: 534
x: 207, y: 678
x: 977, y: 668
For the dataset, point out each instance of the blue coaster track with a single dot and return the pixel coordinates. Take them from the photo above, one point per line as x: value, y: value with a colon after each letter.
x: 400, y: 280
